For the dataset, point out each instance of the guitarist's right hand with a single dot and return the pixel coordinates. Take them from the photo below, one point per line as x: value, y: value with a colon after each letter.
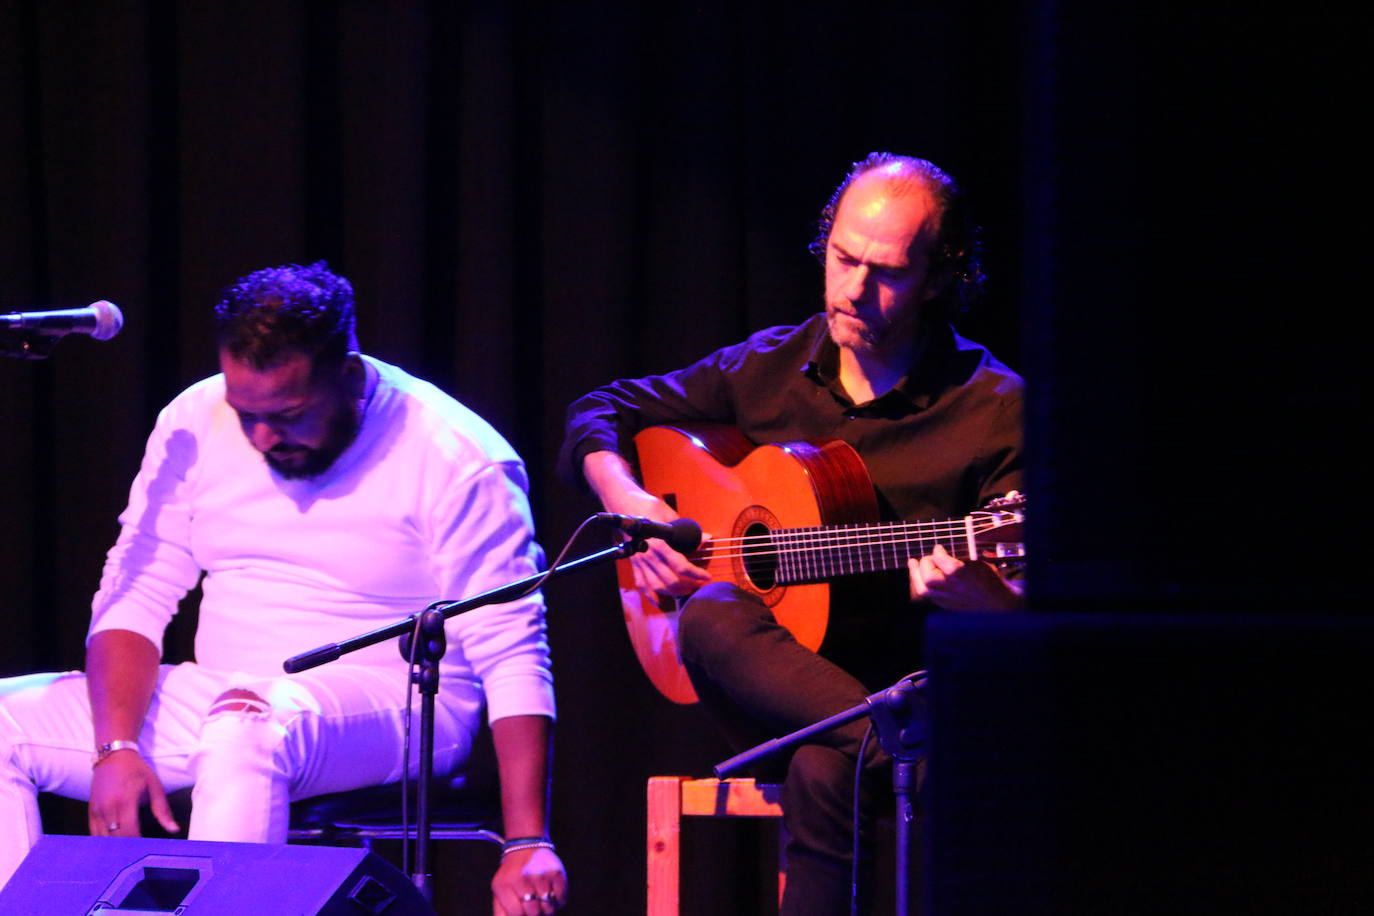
x: 659, y: 569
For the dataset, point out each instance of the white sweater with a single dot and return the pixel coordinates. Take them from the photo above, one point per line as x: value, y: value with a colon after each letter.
x: 428, y: 502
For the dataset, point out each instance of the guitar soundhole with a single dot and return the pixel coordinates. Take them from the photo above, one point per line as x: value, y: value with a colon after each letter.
x: 760, y: 559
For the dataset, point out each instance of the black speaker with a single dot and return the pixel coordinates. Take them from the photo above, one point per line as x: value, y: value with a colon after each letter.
x: 76, y: 875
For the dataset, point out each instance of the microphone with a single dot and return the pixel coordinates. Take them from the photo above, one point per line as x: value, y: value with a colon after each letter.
x: 683, y: 534
x: 101, y: 320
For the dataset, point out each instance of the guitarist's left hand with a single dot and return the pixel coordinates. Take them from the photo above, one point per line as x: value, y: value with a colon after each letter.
x: 946, y: 581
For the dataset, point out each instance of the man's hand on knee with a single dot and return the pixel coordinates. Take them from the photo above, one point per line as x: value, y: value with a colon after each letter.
x: 120, y: 783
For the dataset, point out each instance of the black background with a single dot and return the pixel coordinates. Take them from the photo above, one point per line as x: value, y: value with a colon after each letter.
x: 531, y: 201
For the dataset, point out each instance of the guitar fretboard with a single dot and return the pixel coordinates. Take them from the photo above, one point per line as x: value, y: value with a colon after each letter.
x: 816, y: 554
x: 793, y: 556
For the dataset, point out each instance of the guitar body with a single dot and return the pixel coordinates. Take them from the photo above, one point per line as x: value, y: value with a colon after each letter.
x: 713, y: 474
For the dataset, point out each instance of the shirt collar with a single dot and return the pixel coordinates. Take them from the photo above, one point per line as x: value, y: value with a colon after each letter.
x: 918, y: 387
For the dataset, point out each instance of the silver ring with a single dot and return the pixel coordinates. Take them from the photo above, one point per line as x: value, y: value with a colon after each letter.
x: 550, y: 897
x: 527, y: 898
x: 112, y: 827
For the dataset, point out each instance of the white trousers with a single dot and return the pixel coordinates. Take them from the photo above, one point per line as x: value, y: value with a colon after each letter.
x: 331, y: 729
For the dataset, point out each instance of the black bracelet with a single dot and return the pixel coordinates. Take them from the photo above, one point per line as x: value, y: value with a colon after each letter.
x: 524, y: 839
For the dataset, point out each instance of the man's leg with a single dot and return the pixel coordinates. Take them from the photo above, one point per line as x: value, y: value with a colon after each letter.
x: 757, y: 680
x: 255, y: 744
x: 265, y: 743
x: 46, y: 741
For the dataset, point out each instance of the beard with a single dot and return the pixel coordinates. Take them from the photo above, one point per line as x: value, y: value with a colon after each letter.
x: 342, y: 430
x: 866, y: 331
x: 853, y: 333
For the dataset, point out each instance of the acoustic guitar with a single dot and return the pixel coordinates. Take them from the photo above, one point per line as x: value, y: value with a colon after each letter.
x: 783, y: 520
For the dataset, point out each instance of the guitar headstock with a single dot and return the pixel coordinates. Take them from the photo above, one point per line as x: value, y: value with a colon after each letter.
x: 998, y: 528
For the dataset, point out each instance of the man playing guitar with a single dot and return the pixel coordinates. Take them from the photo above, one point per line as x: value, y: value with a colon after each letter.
x: 936, y: 420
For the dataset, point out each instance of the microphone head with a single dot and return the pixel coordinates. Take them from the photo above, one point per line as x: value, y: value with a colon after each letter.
x: 108, y: 320
x: 686, y: 535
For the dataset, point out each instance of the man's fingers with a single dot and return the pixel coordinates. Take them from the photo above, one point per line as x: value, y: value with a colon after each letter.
x: 121, y: 821
x: 98, y: 823
x: 510, y: 902
x: 157, y: 801
x: 667, y: 572
x: 559, y: 890
x: 529, y: 882
x: 118, y: 787
x: 931, y: 572
x: 113, y: 817
x: 943, y: 560
x: 918, y: 582
x: 548, y: 893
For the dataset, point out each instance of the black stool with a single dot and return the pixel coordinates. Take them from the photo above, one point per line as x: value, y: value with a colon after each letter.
x: 461, y: 808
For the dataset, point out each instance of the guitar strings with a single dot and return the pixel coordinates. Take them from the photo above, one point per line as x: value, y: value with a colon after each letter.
x: 821, y: 540
x: 805, y: 535
x: 814, y: 554
x: 862, y: 529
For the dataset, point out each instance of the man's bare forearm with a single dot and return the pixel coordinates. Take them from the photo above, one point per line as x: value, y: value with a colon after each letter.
x: 609, y: 475
x: 121, y: 672
x: 523, y: 748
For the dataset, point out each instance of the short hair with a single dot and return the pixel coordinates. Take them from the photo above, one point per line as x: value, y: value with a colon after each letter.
x: 266, y: 316
x: 957, y: 250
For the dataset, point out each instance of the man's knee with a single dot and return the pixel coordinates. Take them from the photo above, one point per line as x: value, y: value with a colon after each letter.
x: 240, y: 733
x: 238, y: 700
x: 718, y: 618
x: 9, y: 755
x: 817, y: 770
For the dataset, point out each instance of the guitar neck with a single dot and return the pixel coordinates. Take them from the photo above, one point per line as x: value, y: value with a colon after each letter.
x: 815, y: 554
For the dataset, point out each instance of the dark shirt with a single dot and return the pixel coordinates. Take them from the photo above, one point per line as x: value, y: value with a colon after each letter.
x: 940, y: 444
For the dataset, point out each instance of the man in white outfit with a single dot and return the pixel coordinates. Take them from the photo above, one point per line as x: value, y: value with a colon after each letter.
x: 322, y: 494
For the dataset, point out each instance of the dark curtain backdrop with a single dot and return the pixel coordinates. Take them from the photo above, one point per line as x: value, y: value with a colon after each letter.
x: 537, y: 198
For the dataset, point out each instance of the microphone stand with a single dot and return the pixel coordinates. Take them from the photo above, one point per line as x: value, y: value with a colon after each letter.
x: 431, y: 649
x: 26, y: 345
x: 898, y: 715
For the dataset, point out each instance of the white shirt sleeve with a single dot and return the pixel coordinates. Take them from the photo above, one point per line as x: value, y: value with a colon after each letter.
x: 483, y: 539
x: 150, y: 568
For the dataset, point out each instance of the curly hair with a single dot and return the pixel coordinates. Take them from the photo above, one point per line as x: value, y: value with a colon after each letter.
x: 957, y: 250
x: 271, y: 313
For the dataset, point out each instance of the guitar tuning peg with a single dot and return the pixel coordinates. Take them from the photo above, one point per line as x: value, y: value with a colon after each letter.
x: 1012, y: 498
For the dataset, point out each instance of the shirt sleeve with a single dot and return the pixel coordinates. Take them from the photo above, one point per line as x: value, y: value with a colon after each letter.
x: 484, y: 539
x: 150, y: 567
x: 608, y: 418
x: 1004, y: 452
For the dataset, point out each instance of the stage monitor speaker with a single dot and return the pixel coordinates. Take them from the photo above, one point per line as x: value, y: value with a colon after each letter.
x: 76, y: 875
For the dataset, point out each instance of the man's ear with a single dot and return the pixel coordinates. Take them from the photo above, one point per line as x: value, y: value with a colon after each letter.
x: 353, y: 372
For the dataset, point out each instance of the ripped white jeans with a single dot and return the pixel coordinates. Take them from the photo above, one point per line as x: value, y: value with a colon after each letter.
x: 331, y: 729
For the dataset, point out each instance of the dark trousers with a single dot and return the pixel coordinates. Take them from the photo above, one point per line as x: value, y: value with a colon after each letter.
x: 759, y: 683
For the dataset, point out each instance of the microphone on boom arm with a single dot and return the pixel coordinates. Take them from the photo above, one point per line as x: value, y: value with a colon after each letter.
x: 683, y: 534
x: 32, y: 335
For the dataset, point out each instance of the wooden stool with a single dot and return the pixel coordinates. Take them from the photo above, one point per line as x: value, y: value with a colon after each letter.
x: 673, y: 797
